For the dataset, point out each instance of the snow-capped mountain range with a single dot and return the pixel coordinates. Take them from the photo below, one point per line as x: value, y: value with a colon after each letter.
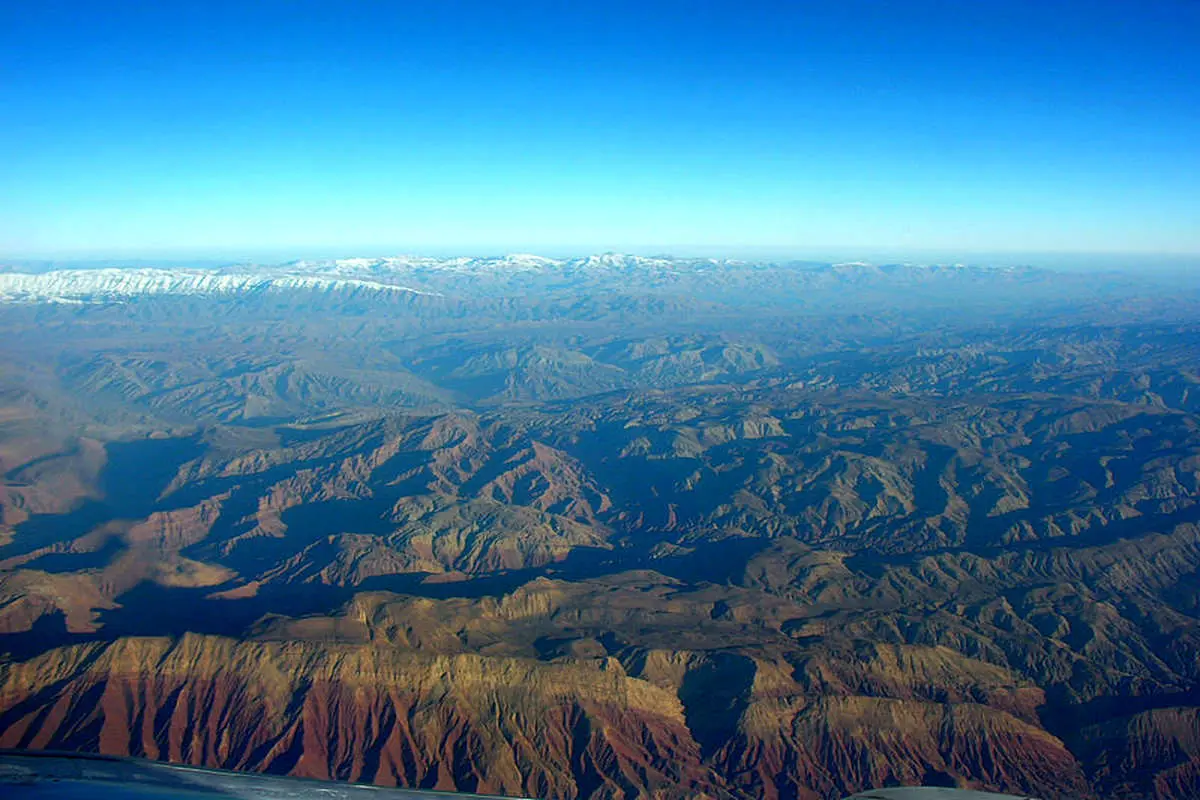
x: 513, y: 263
x: 420, y: 275
x: 82, y: 285
x: 334, y: 275
x: 344, y: 275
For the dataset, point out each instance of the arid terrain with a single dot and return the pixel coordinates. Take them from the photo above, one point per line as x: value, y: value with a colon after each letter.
x: 608, y: 527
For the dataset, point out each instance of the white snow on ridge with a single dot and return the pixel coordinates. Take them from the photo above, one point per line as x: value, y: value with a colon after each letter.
x: 396, y: 275
x: 499, y: 265
x: 620, y: 261
x: 122, y: 283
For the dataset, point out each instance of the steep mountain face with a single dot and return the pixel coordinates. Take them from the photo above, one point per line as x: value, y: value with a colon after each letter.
x: 362, y: 714
x: 1153, y: 752
x: 607, y: 526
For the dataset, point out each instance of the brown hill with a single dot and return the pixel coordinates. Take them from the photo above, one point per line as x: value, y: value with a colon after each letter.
x: 492, y: 724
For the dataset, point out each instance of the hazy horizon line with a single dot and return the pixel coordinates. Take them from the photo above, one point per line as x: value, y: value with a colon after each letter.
x: 1050, y: 259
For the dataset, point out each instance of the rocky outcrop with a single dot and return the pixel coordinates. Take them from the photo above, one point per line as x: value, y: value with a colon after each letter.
x: 714, y: 725
x: 368, y: 714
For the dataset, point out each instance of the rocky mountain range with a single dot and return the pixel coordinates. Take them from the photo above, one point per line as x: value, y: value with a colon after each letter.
x: 609, y: 526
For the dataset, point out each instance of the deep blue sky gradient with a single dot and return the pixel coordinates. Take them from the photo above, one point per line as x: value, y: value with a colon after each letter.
x: 980, y: 125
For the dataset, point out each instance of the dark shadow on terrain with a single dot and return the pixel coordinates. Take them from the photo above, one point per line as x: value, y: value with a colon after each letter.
x: 714, y: 698
x: 872, y: 563
x: 136, y: 474
x: 48, y: 631
x: 1064, y: 719
x: 153, y: 610
x: 44, y: 530
x: 58, y: 563
x: 306, y: 525
x: 722, y: 562
x: 139, y: 471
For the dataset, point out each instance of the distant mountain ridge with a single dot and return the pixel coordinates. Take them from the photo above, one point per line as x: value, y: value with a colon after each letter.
x: 393, y: 274
x: 120, y: 283
x: 612, y: 526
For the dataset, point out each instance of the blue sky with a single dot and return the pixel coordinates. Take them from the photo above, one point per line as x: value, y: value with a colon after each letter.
x: 368, y: 127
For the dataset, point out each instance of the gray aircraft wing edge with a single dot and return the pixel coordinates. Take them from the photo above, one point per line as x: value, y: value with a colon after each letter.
x: 51, y: 775
x: 932, y: 793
